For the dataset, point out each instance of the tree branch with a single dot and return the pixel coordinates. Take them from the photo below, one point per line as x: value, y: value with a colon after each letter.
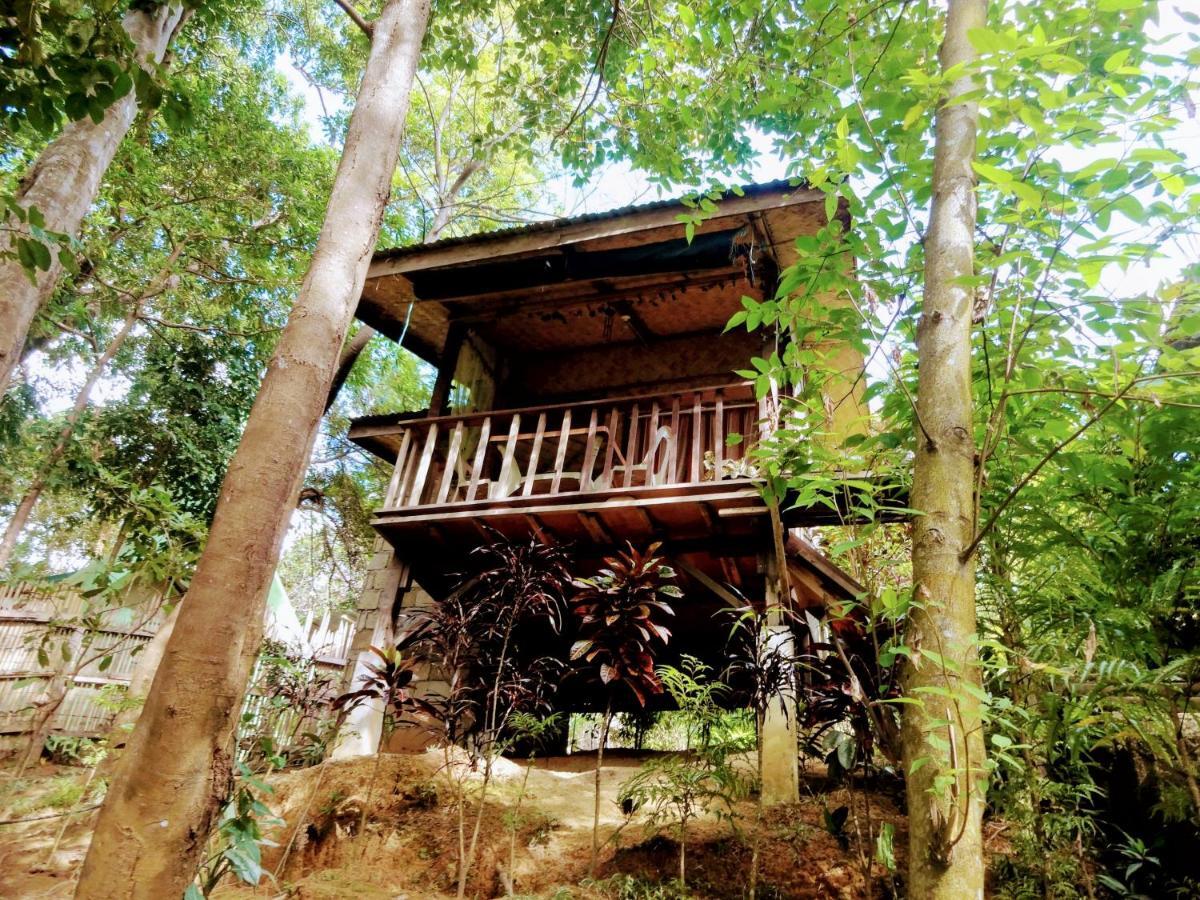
x: 356, y: 17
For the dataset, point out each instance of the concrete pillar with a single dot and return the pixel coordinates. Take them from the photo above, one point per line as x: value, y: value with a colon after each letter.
x: 386, y: 577
x: 780, y: 729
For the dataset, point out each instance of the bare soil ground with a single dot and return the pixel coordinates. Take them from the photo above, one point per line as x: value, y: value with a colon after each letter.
x: 407, y: 843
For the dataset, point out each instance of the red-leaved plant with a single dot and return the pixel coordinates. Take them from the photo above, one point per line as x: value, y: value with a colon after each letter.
x: 617, y: 613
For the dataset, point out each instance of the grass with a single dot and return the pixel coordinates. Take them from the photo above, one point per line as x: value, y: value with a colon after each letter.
x: 31, y: 796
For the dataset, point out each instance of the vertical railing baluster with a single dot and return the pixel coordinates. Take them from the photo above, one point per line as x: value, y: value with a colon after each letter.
x: 651, y: 442
x: 631, y: 446
x: 589, y: 453
x: 510, y: 453
x: 414, y: 498
x: 389, y: 501
x: 534, y: 453
x: 485, y: 435
x: 673, y: 459
x: 451, y: 462
x: 614, y: 422
x: 564, y: 436
x: 718, y: 434
x: 697, y: 436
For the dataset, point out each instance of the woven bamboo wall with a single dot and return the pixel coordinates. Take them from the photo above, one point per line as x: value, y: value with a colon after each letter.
x: 27, y: 611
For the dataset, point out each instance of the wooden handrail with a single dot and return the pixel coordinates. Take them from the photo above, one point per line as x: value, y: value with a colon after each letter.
x: 410, y: 419
x: 647, y: 440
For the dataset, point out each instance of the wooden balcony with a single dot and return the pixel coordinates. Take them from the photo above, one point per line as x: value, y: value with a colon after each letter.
x: 599, y: 472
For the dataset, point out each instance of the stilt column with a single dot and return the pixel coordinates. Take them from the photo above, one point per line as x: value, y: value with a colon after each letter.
x: 382, y: 589
x: 780, y: 730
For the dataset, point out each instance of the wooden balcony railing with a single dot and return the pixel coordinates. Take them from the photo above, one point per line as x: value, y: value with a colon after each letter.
x: 598, y: 446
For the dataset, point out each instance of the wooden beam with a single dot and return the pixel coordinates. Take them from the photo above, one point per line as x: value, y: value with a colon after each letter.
x: 716, y: 587
x: 595, y: 528
x: 731, y: 512
x: 543, y: 532
x: 731, y: 571
x: 440, y: 399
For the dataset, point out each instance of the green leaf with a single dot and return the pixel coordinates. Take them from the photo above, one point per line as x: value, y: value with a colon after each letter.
x: 992, y: 173
x: 1117, y: 60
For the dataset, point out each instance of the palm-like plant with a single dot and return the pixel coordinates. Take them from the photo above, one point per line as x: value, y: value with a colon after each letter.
x: 616, y: 613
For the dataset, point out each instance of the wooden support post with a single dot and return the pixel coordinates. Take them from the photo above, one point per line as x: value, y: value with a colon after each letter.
x: 439, y: 400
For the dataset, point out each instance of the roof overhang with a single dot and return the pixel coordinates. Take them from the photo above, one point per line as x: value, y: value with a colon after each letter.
x: 598, y: 262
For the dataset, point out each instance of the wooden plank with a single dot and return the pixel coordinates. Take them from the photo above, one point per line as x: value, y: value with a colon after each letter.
x: 534, y: 452
x: 673, y: 456
x: 697, y: 437
x: 485, y: 434
x: 414, y: 498
x: 718, y: 434
x: 401, y: 461
x: 631, y: 446
x: 510, y: 453
x: 399, y: 420
x: 456, y: 440
x: 669, y: 495
x: 614, y: 420
x: 733, y: 512
x: 589, y: 454
x: 564, y: 436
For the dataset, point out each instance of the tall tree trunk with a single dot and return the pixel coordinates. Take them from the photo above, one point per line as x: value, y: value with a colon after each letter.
x: 64, y: 181
x: 945, y: 840
x: 168, y: 792
x: 34, y: 492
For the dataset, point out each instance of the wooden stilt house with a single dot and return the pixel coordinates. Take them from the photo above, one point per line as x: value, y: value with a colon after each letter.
x: 586, y: 395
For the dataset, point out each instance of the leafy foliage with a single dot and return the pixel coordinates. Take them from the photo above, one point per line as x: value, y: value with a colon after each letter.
x: 618, y: 614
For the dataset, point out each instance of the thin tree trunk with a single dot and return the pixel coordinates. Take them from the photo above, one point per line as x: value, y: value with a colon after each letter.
x: 64, y: 181
x: 178, y: 770
x: 34, y: 492
x: 51, y: 701
x: 945, y: 834
x: 596, y: 807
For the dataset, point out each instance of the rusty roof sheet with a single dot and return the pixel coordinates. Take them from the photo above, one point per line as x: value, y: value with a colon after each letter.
x: 550, y: 225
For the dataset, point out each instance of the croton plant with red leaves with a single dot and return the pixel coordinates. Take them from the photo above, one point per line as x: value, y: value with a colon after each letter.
x: 619, y: 613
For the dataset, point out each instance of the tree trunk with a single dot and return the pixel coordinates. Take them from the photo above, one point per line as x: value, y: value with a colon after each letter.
x: 945, y: 840
x: 177, y: 774
x: 596, y: 798
x: 25, y: 508
x: 64, y: 181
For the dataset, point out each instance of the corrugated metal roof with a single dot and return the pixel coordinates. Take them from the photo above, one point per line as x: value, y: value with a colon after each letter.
x: 548, y: 225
